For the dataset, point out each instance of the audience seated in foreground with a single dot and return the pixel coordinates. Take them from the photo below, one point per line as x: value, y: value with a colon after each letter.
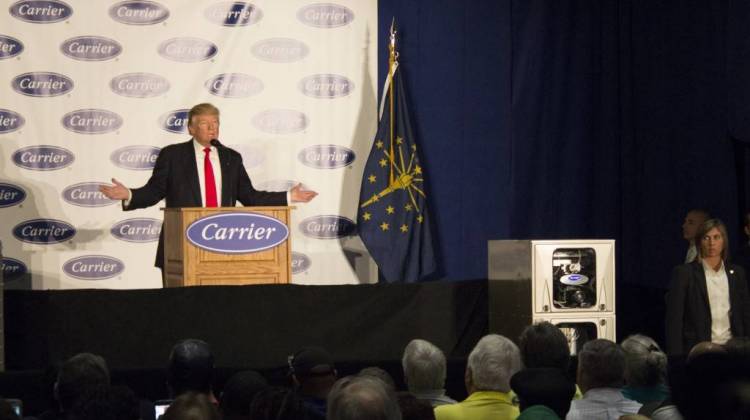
x: 543, y: 393
x: 645, y: 371
x: 190, y: 369
x: 238, y: 394
x: 277, y: 403
x: 362, y: 397
x: 313, y: 374
x: 192, y: 406
x: 425, y: 371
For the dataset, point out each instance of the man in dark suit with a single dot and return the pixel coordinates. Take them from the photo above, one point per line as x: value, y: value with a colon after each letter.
x: 200, y: 173
x: 708, y: 299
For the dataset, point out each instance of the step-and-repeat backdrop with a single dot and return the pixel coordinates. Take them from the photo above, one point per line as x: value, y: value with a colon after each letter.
x: 91, y: 90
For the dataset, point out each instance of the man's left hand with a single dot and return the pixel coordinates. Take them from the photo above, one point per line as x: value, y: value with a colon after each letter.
x: 298, y: 195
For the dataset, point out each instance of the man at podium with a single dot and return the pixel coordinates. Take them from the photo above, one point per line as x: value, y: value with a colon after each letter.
x: 200, y: 172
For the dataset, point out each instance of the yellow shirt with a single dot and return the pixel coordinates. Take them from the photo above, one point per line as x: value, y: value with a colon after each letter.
x: 481, y: 405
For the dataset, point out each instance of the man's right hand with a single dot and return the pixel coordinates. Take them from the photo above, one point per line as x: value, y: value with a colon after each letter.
x: 116, y: 191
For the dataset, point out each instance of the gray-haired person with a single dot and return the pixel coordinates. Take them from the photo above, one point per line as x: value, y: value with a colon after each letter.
x: 425, y: 371
x: 361, y: 397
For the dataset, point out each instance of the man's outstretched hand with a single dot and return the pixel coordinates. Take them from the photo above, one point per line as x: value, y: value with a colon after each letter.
x: 298, y: 195
x: 116, y: 191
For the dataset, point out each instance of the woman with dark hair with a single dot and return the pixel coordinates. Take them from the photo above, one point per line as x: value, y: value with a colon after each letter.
x: 708, y: 299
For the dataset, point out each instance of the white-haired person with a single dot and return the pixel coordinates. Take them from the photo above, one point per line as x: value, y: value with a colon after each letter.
x: 425, y: 371
x: 491, y: 364
x: 645, y: 370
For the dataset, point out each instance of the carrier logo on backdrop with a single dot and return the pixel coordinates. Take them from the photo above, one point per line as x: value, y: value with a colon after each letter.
x: 42, y: 83
x: 140, y: 229
x: 86, y: 194
x: 9, y: 47
x: 41, y: 11
x: 237, y: 233
x: 326, y: 156
x: 252, y: 156
x: 327, y: 227
x: 187, y: 50
x: 280, y: 121
x: 325, y: 15
x: 280, y: 50
x: 11, y: 195
x: 233, y: 13
x: 175, y: 121
x: 326, y: 86
x: 277, y: 185
x: 93, y: 267
x: 43, y: 158
x: 139, y: 85
x: 234, y: 85
x: 10, y: 121
x: 13, y: 268
x: 135, y: 12
x: 43, y: 231
x: 91, y: 48
x: 92, y: 121
x: 300, y: 263
x: 139, y: 158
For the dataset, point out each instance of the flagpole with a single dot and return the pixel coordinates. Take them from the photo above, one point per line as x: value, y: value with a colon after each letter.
x: 391, y: 65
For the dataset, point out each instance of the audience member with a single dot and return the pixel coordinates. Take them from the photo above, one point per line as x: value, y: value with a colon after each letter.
x: 362, y: 397
x: 601, y: 370
x: 190, y: 368
x: 79, y: 376
x: 413, y: 408
x: 192, y: 406
x: 380, y: 373
x: 693, y: 219
x: 6, y: 410
x: 313, y: 375
x: 543, y: 393
x: 491, y: 364
x: 425, y: 372
x: 645, y: 371
x: 277, y: 403
x: 238, y: 394
x: 543, y: 345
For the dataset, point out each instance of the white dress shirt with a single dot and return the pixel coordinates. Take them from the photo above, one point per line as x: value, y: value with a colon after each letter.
x: 717, y: 285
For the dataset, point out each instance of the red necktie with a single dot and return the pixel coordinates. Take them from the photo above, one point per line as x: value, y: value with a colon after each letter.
x: 210, y: 182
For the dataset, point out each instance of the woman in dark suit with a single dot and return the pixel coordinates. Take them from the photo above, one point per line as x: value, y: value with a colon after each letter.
x: 708, y: 299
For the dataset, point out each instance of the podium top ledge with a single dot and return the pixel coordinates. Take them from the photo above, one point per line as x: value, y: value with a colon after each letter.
x: 226, y: 209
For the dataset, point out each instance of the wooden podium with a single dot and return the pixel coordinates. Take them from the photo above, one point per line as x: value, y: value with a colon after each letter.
x: 188, y: 265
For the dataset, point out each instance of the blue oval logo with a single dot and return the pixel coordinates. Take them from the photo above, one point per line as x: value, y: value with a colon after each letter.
x: 280, y: 121
x: 139, y: 85
x: 13, y: 268
x: 325, y: 15
x: 42, y: 84
x: 10, y: 121
x: 139, y: 158
x: 233, y: 13
x: 187, y: 50
x: 140, y: 229
x: 280, y: 50
x: 175, y: 121
x: 92, y: 121
x: 252, y: 156
x: 41, y: 11
x: 139, y: 12
x: 237, y: 233
x: 11, y: 195
x: 277, y: 185
x: 44, y: 231
x: 87, y: 194
x: 93, y: 267
x: 327, y: 227
x: 300, y: 263
x: 43, y: 158
x: 326, y: 86
x: 9, y: 47
x: 91, y: 48
x: 234, y: 85
x: 326, y: 156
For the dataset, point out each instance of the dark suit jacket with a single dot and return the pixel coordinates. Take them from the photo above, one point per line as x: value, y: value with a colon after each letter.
x: 688, y: 310
x: 175, y: 177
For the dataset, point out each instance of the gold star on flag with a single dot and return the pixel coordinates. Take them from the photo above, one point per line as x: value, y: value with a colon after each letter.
x: 399, y: 140
x: 418, y: 170
x: 408, y: 207
x: 379, y: 144
x: 389, y: 209
x: 404, y: 228
x: 384, y: 226
x: 375, y: 197
x: 420, y: 218
x: 372, y: 179
x: 383, y: 162
x: 414, y: 147
x: 366, y: 216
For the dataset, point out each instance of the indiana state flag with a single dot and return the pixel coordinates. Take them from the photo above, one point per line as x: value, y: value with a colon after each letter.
x: 392, y: 218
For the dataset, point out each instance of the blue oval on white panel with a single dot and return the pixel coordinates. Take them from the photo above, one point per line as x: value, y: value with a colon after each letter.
x: 237, y: 233
x: 92, y: 121
x: 40, y: 11
x: 134, y: 12
x: 93, y: 267
x: 139, y: 158
x: 91, y: 48
x: 13, y: 268
x: 9, y: 47
x: 42, y: 84
x: 574, y: 279
x: 10, y: 121
x: 44, y: 231
x: 11, y: 195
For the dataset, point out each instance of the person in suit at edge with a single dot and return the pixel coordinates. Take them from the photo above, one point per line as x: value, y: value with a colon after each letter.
x: 708, y: 299
x: 200, y: 172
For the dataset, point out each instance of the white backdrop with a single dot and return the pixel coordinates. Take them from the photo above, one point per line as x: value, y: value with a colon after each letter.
x: 90, y: 90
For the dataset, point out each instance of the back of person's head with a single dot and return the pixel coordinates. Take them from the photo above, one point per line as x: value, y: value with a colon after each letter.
x: 192, y: 406
x: 491, y: 364
x: 276, y: 403
x: 601, y: 364
x: 239, y: 392
x: 645, y: 362
x: 78, y: 376
x: 705, y: 347
x: 362, y: 397
x: 382, y: 375
x: 424, y: 366
x: 190, y: 367
x: 106, y: 403
x: 544, y: 386
x: 543, y: 345
x: 413, y: 408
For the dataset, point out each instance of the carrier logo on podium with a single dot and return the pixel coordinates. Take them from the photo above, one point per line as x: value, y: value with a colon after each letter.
x: 93, y: 267
x: 237, y: 233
